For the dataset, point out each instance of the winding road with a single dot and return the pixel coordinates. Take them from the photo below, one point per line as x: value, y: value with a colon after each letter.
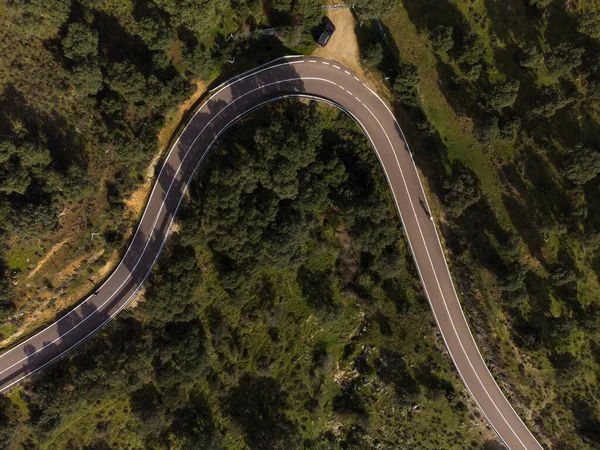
x: 305, y: 77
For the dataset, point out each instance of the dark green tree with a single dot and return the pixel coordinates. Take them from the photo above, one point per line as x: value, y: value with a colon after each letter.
x: 406, y: 85
x: 441, y: 38
x: 80, y: 42
x: 502, y: 95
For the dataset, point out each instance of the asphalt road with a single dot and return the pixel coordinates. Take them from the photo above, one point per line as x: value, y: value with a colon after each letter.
x: 319, y: 79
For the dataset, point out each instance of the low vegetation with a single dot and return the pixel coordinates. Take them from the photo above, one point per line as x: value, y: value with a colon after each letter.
x: 85, y: 88
x: 300, y: 323
x: 505, y: 124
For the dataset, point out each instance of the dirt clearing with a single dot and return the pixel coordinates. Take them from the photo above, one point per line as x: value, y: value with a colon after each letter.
x: 343, y: 45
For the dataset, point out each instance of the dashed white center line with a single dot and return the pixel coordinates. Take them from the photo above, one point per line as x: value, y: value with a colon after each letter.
x: 325, y: 62
x: 337, y: 67
x: 356, y: 78
x: 312, y: 60
x: 350, y: 93
x: 347, y: 72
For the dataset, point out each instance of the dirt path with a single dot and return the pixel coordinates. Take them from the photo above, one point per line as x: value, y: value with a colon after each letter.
x: 48, y: 255
x: 343, y: 45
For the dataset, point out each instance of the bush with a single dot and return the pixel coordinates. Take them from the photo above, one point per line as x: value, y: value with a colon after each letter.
x: 406, y: 85
x: 582, y: 165
x: 563, y: 59
x: 374, y: 8
x: 530, y: 57
x: 372, y: 54
x: 472, y: 72
x: 503, y: 95
x: 80, y: 42
x: 487, y: 130
x: 539, y: 4
x: 460, y: 193
x: 469, y: 49
x: 510, y: 128
x: 87, y: 78
x: 441, y: 38
x: 199, y: 61
x: 548, y: 101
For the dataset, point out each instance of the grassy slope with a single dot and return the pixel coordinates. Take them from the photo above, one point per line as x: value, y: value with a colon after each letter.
x: 537, y: 386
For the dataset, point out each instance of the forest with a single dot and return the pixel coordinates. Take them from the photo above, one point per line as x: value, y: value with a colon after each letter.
x: 299, y: 323
x: 86, y: 90
x: 286, y: 311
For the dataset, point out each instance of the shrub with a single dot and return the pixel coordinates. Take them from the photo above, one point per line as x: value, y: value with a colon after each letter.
x: 563, y: 59
x: 80, y: 42
x: 510, y: 128
x: 503, y: 95
x: 461, y: 192
x: 441, y: 38
x: 374, y: 8
x: 87, y: 78
x: 406, y: 85
x: 469, y: 49
x: 530, y: 57
x: 487, y: 130
x: 372, y: 54
x: 548, y: 101
x: 582, y: 165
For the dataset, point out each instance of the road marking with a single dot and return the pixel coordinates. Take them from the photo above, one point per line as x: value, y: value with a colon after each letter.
x: 450, y: 276
x: 347, y: 72
x: 312, y: 61
x: 438, y: 283
x: 186, y: 187
x: 356, y: 78
x: 337, y: 67
x: 324, y: 62
x: 153, y: 228
x: 224, y: 85
x: 349, y: 92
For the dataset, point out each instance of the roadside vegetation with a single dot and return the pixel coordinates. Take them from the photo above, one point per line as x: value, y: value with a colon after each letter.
x: 285, y: 313
x: 499, y: 102
x: 85, y: 90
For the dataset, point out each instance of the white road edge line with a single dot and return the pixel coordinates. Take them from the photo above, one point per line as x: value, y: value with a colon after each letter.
x: 439, y: 286
x: 186, y: 186
x: 449, y: 274
x: 153, y: 225
x: 235, y: 79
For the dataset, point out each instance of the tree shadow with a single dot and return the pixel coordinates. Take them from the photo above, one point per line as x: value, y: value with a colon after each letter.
x: 586, y: 416
x: 258, y: 405
x: 427, y: 14
x: 117, y: 45
x: 530, y: 233
x: 316, y: 288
